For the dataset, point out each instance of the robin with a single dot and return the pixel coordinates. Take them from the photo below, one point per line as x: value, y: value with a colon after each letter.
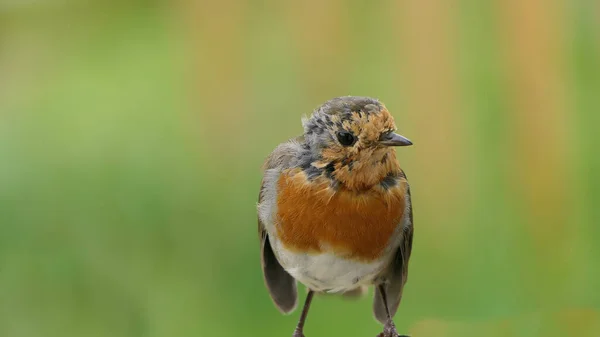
x: 334, y: 210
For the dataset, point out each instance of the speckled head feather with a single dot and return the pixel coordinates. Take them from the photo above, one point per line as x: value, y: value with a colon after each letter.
x: 331, y: 116
x: 366, y: 161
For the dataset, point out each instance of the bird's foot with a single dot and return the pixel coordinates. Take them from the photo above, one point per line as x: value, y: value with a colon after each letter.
x: 389, y: 330
x: 298, y: 333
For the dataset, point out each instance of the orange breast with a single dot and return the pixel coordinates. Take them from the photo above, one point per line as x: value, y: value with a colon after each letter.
x: 313, y: 218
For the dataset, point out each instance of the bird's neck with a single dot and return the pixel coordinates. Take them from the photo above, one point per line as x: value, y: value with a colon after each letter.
x: 363, y: 172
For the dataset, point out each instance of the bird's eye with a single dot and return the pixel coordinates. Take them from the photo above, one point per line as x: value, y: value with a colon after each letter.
x: 346, y: 138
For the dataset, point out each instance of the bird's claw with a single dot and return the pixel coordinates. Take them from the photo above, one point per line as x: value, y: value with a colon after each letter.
x: 389, y: 330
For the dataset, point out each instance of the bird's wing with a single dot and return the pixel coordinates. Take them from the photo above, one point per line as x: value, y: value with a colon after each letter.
x: 281, y: 285
x: 398, y: 272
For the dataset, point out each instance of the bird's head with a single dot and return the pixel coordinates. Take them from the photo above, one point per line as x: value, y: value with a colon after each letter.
x: 353, y: 138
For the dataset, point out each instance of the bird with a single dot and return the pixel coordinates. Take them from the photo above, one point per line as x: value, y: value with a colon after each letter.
x: 334, y: 210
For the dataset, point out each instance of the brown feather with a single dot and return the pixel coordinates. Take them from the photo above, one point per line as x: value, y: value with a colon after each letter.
x: 313, y: 217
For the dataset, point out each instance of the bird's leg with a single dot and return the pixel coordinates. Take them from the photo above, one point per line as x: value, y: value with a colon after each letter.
x: 389, y: 329
x: 300, y: 326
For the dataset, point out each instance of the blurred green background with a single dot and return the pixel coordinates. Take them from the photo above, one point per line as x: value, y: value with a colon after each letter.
x: 132, y: 135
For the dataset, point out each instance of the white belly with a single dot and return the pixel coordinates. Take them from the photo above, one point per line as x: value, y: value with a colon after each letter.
x: 326, y: 271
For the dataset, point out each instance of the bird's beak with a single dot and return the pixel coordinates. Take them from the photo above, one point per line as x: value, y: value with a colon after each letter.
x: 394, y: 139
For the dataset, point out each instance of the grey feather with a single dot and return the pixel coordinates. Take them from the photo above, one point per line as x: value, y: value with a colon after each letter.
x: 280, y: 284
x: 397, y: 273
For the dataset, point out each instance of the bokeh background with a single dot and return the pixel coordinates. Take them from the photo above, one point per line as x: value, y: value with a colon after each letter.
x: 132, y: 135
